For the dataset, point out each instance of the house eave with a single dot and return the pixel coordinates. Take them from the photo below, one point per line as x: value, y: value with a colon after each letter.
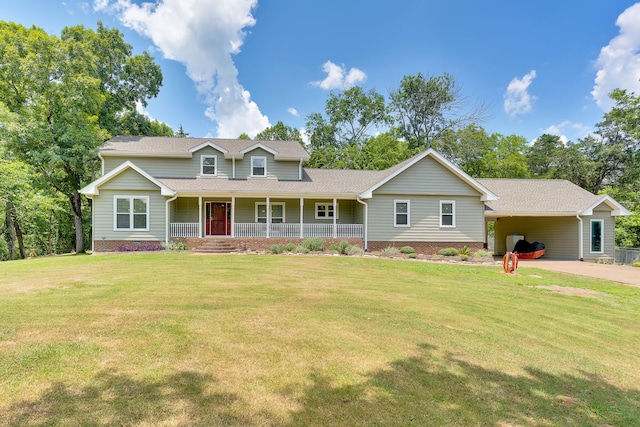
x: 146, y: 155
x: 529, y: 214
x: 93, y: 189
x: 263, y: 195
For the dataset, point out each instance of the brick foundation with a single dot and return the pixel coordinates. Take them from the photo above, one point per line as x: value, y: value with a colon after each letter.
x: 426, y: 248
x: 112, y: 245
x: 262, y: 244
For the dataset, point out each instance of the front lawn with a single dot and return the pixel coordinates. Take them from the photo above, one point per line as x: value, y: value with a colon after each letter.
x: 253, y: 340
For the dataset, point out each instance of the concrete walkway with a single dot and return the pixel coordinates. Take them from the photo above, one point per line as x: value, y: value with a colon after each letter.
x: 616, y: 273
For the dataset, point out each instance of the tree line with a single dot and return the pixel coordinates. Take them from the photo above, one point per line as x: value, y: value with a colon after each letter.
x: 62, y: 96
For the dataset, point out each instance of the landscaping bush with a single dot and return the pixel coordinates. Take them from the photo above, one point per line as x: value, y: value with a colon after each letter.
x: 290, y: 247
x: 139, y: 247
x: 343, y: 248
x: 314, y: 244
x: 448, y: 252
x: 413, y: 255
x: 407, y: 250
x: 481, y: 253
x: 301, y: 250
x: 334, y: 248
x: 465, y: 251
x: 354, y: 250
x: 464, y: 257
x: 277, y: 249
x: 391, y: 251
x: 175, y: 246
x: 636, y: 264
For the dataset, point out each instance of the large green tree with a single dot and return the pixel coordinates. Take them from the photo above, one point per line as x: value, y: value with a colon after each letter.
x: 543, y: 156
x: 427, y: 108
x: 66, y: 95
x: 280, y: 132
x: 350, y: 120
x: 484, y: 155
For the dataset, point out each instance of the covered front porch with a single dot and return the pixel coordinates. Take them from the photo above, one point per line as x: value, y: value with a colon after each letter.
x: 206, y: 216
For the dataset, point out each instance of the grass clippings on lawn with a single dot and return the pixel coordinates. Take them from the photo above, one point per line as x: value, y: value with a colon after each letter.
x: 174, y: 339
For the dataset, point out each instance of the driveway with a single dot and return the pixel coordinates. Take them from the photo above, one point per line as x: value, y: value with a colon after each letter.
x: 616, y: 273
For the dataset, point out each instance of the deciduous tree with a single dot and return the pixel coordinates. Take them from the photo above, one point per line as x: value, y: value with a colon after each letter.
x: 66, y: 94
x: 427, y: 108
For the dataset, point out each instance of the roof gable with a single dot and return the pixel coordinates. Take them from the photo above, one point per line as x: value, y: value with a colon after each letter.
x: 208, y: 144
x: 404, y: 166
x: 93, y: 189
x: 616, y: 208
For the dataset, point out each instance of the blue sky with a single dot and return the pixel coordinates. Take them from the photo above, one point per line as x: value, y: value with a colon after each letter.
x: 233, y: 66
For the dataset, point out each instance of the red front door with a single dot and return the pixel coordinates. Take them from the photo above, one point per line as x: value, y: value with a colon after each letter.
x: 218, y: 219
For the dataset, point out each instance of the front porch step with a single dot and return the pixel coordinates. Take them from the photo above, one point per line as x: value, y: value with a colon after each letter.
x: 215, y: 247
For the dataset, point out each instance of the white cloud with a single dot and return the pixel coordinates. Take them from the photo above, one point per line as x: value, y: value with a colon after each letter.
x: 573, y: 130
x: 619, y: 62
x: 100, y: 5
x: 293, y: 112
x: 203, y: 35
x: 339, y: 78
x: 305, y: 136
x: 517, y: 99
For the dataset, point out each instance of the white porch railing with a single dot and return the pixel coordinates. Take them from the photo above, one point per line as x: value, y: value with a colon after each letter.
x: 185, y: 229
x: 288, y: 230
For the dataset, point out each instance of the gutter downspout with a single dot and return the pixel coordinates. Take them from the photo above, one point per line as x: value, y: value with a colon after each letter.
x: 366, y: 223
x: 166, y: 237
x: 93, y: 222
x: 101, y: 164
x: 580, y: 238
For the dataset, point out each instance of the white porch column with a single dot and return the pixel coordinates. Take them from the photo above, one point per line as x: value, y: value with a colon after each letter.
x: 335, y: 215
x: 301, y: 218
x: 200, y: 216
x: 233, y: 216
x: 268, y: 217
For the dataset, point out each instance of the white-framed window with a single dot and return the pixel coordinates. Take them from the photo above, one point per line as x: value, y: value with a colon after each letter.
x: 258, y: 166
x: 131, y: 213
x: 597, y: 236
x: 209, y: 165
x: 325, y: 211
x: 401, y: 213
x: 277, y: 212
x: 447, y: 213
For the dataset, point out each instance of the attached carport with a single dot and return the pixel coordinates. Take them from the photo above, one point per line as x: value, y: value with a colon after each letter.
x: 570, y: 221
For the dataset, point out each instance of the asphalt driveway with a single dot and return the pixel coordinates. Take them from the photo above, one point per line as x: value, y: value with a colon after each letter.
x: 616, y: 273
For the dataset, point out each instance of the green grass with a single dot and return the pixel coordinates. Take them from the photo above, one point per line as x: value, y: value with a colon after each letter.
x: 179, y: 339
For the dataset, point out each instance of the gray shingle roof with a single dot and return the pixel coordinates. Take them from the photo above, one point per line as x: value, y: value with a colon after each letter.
x: 319, y: 182
x: 538, y: 196
x: 168, y: 146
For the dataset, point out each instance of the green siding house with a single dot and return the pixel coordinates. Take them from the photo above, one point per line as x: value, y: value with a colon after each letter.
x: 251, y: 194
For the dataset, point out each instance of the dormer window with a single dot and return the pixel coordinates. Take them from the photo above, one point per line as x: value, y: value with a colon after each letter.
x: 258, y: 166
x: 208, y: 165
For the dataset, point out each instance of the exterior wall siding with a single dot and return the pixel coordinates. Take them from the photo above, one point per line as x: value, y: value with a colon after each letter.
x: 190, y: 167
x: 427, y: 177
x: 282, y: 170
x: 603, y: 213
x: 186, y: 209
x: 129, y: 180
x: 559, y: 234
x: 425, y: 219
x: 103, y: 227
